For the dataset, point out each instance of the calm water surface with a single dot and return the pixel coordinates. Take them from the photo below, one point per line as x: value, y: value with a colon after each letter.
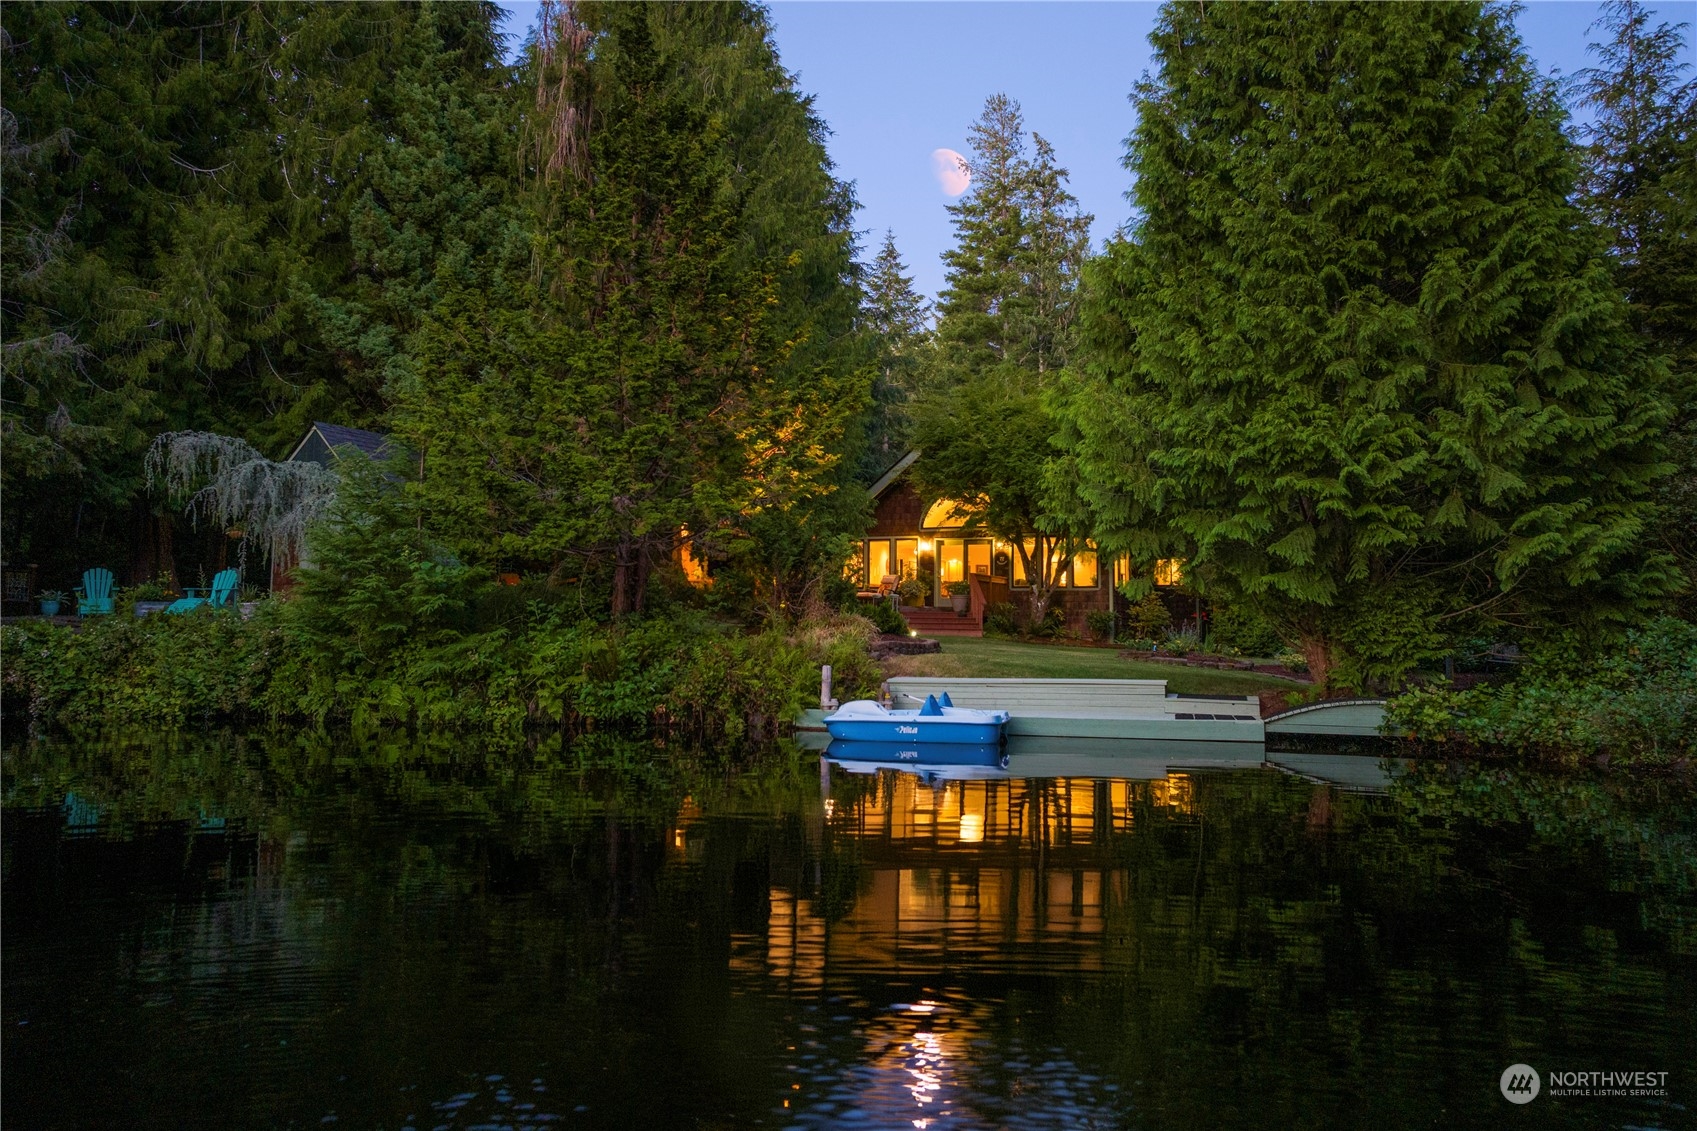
x: 240, y: 933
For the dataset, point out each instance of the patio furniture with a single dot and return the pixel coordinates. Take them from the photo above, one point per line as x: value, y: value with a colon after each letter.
x: 94, y: 596
x: 222, y: 595
x: 886, y: 587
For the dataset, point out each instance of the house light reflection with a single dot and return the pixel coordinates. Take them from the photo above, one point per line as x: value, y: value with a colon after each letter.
x: 971, y: 828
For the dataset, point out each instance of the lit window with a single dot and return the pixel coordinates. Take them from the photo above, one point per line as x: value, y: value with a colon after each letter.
x: 947, y: 514
x: 1084, y: 571
x: 878, y: 561
x: 1169, y: 571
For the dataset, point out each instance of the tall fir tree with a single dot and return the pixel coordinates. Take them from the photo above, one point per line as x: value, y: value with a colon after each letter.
x: 898, y: 320
x: 646, y: 373
x: 1005, y: 329
x: 1361, y: 361
x: 1639, y: 183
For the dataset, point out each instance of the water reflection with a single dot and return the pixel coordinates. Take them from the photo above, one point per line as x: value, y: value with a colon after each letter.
x: 219, y: 934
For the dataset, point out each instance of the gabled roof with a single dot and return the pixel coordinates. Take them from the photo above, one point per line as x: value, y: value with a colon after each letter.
x: 338, y: 436
x: 890, y: 476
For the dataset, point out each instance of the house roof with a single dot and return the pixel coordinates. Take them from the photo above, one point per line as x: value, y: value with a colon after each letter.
x: 338, y: 436
x: 890, y: 476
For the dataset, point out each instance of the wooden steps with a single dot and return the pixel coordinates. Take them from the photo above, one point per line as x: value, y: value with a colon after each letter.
x: 941, y: 622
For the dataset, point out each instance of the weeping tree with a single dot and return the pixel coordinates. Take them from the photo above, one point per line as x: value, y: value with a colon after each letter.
x: 228, y: 482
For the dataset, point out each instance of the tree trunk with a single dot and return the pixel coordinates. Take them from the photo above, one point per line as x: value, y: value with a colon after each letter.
x: 1318, y: 652
x: 623, y: 568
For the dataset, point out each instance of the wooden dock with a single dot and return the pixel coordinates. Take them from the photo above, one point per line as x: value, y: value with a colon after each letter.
x: 1140, y: 709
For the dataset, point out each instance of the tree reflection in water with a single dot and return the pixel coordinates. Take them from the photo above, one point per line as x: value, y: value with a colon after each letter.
x: 255, y: 932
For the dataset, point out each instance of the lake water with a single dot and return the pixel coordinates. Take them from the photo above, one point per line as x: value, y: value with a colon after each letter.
x: 230, y: 932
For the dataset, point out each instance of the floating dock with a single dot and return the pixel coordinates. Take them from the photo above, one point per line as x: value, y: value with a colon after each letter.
x: 1140, y: 709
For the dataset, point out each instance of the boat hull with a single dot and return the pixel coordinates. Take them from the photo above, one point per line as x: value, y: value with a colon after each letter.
x: 914, y: 731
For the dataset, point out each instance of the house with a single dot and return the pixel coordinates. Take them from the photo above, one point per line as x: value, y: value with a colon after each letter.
x: 325, y: 445
x: 933, y: 542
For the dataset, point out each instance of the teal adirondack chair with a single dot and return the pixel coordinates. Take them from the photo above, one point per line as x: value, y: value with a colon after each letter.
x: 222, y: 595
x: 95, y: 594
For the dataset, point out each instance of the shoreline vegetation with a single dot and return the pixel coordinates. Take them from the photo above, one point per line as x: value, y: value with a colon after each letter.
x: 691, y: 676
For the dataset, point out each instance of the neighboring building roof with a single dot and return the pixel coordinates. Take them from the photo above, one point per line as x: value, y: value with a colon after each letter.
x: 890, y: 476
x: 322, y: 440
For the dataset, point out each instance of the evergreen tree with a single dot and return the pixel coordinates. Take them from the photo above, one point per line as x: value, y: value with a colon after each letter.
x: 898, y: 320
x: 1005, y: 328
x: 1640, y: 185
x: 1361, y: 360
x: 638, y: 376
x: 180, y: 185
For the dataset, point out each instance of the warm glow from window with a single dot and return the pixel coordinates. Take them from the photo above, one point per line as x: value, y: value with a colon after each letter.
x: 878, y: 561
x: 1084, y: 571
x: 1169, y: 571
x: 971, y: 828
x: 907, y: 556
x: 854, y: 570
x: 947, y: 514
x: 1030, y: 545
x: 951, y: 560
x: 693, y: 566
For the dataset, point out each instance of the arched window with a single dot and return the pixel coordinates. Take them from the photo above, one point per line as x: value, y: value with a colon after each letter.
x: 947, y: 514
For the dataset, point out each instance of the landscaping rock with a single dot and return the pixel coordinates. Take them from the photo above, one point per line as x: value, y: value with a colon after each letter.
x: 891, y: 644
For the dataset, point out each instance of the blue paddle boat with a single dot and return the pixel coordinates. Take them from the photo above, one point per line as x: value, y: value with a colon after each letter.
x: 866, y: 720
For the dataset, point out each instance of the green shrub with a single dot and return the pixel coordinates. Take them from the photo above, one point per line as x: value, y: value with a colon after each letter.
x: 1054, y: 623
x: 1149, y: 617
x: 1240, y: 631
x: 883, y: 616
x: 1100, y: 622
x: 1292, y: 660
x: 1182, y: 642
x: 1637, y: 700
x: 1001, y: 619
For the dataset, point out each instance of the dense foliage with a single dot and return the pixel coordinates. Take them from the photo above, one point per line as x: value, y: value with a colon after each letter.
x: 532, y: 669
x: 1361, y: 360
x: 1636, y: 701
x: 209, y: 209
x: 1639, y: 184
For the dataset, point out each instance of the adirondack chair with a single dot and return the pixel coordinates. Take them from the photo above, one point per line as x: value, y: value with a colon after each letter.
x: 94, y: 596
x: 222, y: 595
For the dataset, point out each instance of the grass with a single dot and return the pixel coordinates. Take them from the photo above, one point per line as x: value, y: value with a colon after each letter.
x: 988, y: 659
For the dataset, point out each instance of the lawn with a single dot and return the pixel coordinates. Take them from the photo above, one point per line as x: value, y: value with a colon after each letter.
x: 967, y: 656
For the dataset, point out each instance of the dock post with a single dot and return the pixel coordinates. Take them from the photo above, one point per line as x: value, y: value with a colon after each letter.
x: 825, y: 700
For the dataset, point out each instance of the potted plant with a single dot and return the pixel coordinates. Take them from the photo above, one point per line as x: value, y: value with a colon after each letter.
x: 50, y: 600
x: 960, y: 595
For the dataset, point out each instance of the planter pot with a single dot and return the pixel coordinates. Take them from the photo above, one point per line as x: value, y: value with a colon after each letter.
x: 960, y: 603
x: 49, y: 608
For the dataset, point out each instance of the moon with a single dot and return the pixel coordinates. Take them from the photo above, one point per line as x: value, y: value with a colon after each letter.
x: 951, y: 170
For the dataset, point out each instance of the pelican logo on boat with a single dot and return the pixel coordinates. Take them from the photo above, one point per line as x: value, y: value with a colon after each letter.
x: 1520, y: 1084
x: 907, y: 730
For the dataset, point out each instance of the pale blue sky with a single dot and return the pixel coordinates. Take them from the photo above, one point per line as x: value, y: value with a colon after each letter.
x: 896, y: 81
